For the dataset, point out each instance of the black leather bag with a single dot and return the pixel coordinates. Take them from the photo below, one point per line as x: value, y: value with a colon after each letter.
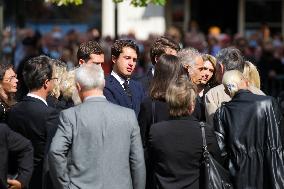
x: 215, y: 176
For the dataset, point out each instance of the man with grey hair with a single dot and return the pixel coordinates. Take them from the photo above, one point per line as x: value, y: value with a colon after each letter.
x: 227, y: 59
x: 97, y: 144
x: 192, y: 60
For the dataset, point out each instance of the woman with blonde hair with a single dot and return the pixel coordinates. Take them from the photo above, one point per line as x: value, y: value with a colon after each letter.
x: 64, y: 85
x: 209, y: 71
x: 251, y: 74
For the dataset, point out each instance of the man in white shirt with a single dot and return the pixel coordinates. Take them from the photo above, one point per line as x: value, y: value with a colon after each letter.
x: 120, y: 88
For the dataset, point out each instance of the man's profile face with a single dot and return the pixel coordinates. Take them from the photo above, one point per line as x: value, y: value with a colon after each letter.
x: 94, y: 59
x: 196, y: 73
x: 219, y: 73
x: 125, y: 63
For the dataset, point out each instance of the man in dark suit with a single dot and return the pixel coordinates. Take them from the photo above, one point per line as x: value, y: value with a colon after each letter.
x: 162, y: 45
x: 32, y: 117
x: 12, y: 143
x: 120, y: 88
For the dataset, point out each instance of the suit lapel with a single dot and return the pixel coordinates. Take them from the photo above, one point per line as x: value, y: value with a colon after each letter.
x: 116, y: 85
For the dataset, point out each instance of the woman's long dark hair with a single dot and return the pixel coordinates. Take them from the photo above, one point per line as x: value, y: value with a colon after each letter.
x: 11, y: 96
x: 167, y: 69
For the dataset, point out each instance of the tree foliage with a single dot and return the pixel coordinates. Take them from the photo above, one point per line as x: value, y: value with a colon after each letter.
x: 65, y: 2
x: 143, y: 3
x: 136, y: 3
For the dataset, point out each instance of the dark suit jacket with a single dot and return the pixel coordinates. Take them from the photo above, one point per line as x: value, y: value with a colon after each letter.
x: 115, y: 93
x: 145, y: 117
x: 14, y: 143
x: 38, y: 123
x: 146, y: 80
x: 175, y: 149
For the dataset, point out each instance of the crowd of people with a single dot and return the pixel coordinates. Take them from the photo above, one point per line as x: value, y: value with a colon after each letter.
x: 83, y: 128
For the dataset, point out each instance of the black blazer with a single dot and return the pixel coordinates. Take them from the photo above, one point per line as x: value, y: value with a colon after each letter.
x: 175, y: 150
x: 115, y: 93
x: 12, y: 143
x: 145, y: 117
x: 38, y: 123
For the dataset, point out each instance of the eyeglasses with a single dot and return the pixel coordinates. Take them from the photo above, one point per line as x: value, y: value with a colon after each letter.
x: 9, y: 79
x: 54, y: 78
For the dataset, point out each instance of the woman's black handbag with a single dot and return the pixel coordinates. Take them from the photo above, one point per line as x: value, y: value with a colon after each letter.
x: 215, y: 176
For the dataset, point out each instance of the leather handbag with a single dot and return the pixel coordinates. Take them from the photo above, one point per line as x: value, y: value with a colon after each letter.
x: 215, y: 176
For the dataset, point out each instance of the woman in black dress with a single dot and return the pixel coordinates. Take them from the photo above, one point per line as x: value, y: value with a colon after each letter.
x: 175, y: 146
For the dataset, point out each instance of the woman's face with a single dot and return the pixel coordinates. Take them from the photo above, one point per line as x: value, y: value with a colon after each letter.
x: 9, y: 82
x: 208, y: 71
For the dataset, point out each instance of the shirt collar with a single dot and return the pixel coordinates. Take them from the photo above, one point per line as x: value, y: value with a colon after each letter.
x: 37, y: 97
x: 118, y: 78
x: 90, y: 97
x: 153, y: 70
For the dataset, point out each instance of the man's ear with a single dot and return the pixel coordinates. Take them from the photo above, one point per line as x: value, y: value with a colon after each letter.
x: 156, y: 59
x: 222, y: 69
x: 81, y: 61
x: 46, y: 83
x: 113, y: 59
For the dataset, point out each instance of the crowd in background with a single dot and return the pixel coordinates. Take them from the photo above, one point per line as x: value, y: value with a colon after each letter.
x: 262, y: 48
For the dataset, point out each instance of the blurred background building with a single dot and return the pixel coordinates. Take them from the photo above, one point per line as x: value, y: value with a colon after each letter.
x: 234, y: 16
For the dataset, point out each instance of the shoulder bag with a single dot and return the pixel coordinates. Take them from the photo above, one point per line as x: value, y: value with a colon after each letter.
x: 215, y: 176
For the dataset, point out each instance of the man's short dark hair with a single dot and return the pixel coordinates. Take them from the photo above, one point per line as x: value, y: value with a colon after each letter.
x: 118, y: 46
x: 88, y: 48
x: 231, y: 58
x: 159, y: 47
x: 36, y: 71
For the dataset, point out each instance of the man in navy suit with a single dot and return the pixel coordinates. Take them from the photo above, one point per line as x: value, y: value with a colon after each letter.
x: 120, y: 88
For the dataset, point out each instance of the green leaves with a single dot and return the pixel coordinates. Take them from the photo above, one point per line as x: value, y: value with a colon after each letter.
x: 143, y: 3
x: 136, y: 3
x: 65, y: 2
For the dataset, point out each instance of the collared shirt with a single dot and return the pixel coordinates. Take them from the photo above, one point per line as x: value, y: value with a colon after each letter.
x: 153, y: 70
x: 37, y: 97
x: 90, y: 97
x: 118, y: 78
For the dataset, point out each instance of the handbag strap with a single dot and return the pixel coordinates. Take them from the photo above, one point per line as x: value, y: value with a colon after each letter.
x: 204, y: 143
x: 153, y: 111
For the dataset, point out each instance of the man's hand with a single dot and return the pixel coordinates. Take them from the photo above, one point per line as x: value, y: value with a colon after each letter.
x: 14, y: 184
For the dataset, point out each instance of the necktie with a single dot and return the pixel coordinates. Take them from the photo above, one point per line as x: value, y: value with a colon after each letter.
x: 126, y: 89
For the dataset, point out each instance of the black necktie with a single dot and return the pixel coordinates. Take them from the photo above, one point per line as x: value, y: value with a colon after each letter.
x: 126, y: 89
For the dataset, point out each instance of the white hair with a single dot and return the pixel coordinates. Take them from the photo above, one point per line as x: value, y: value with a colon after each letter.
x: 187, y: 57
x: 90, y: 76
x: 231, y: 81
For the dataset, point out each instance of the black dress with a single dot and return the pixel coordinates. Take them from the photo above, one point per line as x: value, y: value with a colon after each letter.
x: 175, y: 151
